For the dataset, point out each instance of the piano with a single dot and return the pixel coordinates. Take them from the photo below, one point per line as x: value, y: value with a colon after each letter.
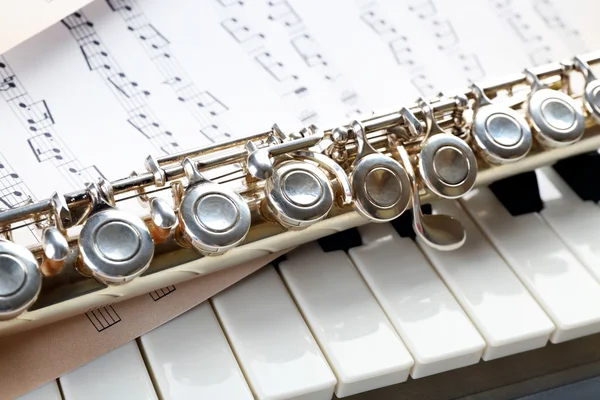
x: 372, y: 313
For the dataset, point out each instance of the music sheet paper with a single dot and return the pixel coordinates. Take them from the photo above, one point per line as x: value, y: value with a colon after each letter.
x: 92, y: 95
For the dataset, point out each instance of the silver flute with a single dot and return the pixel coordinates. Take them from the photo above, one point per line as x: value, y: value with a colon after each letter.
x: 235, y: 201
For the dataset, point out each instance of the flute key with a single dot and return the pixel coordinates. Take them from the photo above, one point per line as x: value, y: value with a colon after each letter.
x: 556, y: 119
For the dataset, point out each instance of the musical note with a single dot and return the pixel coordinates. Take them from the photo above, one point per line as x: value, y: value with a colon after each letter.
x: 280, y: 10
x: 87, y: 175
x: 230, y: 3
x: 145, y: 123
x: 445, y: 34
x: 38, y: 115
x: 79, y: 27
x: 128, y: 87
x: 378, y: 24
x: 36, y: 118
x: 274, y: 67
x: 214, y: 131
x: 172, y: 147
x: 44, y: 147
x: 8, y: 87
x: 308, y: 49
x: 201, y: 103
x: 422, y: 83
x: 471, y: 65
x: 402, y: 51
x: 13, y: 192
x: 127, y: 91
x: 240, y: 32
x: 150, y: 36
x: 423, y: 8
x: 95, y: 56
x: 537, y: 48
x: 555, y: 21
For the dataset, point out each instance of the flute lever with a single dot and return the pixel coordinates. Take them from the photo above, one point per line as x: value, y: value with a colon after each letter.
x: 591, y: 93
x: 442, y: 232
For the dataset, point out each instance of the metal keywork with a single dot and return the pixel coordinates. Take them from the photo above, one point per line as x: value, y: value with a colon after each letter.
x: 555, y: 117
x: 20, y: 279
x: 591, y: 93
x: 162, y: 217
x: 115, y: 246
x: 500, y: 133
x: 442, y: 232
x: 380, y: 184
x: 297, y: 193
x: 446, y: 164
x: 54, y: 242
x: 212, y: 218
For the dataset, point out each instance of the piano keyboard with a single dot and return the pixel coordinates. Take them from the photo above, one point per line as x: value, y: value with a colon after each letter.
x: 388, y: 314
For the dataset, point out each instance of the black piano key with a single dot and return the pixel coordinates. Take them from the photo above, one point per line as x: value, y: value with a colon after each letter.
x: 581, y: 173
x: 404, y: 223
x: 519, y: 194
x: 344, y: 240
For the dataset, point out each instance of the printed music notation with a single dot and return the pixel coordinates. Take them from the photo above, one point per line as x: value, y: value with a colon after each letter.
x: 44, y: 141
x: 307, y: 47
x: 161, y: 293
x: 554, y: 20
x: 397, y: 42
x: 103, y: 318
x: 288, y: 83
x: 202, y: 104
x: 127, y: 91
x: 13, y: 191
x: 446, y: 38
x: 282, y: 11
x: 537, y: 47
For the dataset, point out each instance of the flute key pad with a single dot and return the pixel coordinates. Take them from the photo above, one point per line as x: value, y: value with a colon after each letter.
x: 115, y: 246
x: 213, y: 218
x: 501, y: 134
x: 447, y: 165
x: 20, y: 279
x: 555, y: 117
x: 381, y: 187
x: 298, y: 194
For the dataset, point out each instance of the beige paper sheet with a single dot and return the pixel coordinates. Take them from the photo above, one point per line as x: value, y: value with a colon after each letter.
x: 21, y: 19
x: 32, y: 358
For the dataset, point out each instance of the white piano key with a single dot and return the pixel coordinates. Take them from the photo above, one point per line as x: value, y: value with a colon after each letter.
x: 575, y: 221
x: 271, y: 341
x: 501, y: 308
x: 189, y: 358
x: 432, y: 325
x: 49, y: 391
x: 120, y: 374
x: 360, y: 344
x: 556, y: 279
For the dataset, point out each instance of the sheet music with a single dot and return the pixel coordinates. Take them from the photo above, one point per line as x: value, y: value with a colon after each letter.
x: 94, y: 94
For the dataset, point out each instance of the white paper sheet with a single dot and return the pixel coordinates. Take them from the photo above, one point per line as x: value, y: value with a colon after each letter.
x: 93, y: 95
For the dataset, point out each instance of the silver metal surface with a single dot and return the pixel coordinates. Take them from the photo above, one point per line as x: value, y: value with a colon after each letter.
x: 294, y: 177
x: 442, y: 232
x: 556, y: 119
x: 162, y: 214
x: 345, y: 195
x: 115, y: 246
x: 446, y: 163
x: 298, y: 194
x: 500, y: 133
x: 213, y: 218
x: 54, y: 243
x: 380, y: 184
x: 20, y: 279
x: 591, y: 93
x: 159, y: 175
